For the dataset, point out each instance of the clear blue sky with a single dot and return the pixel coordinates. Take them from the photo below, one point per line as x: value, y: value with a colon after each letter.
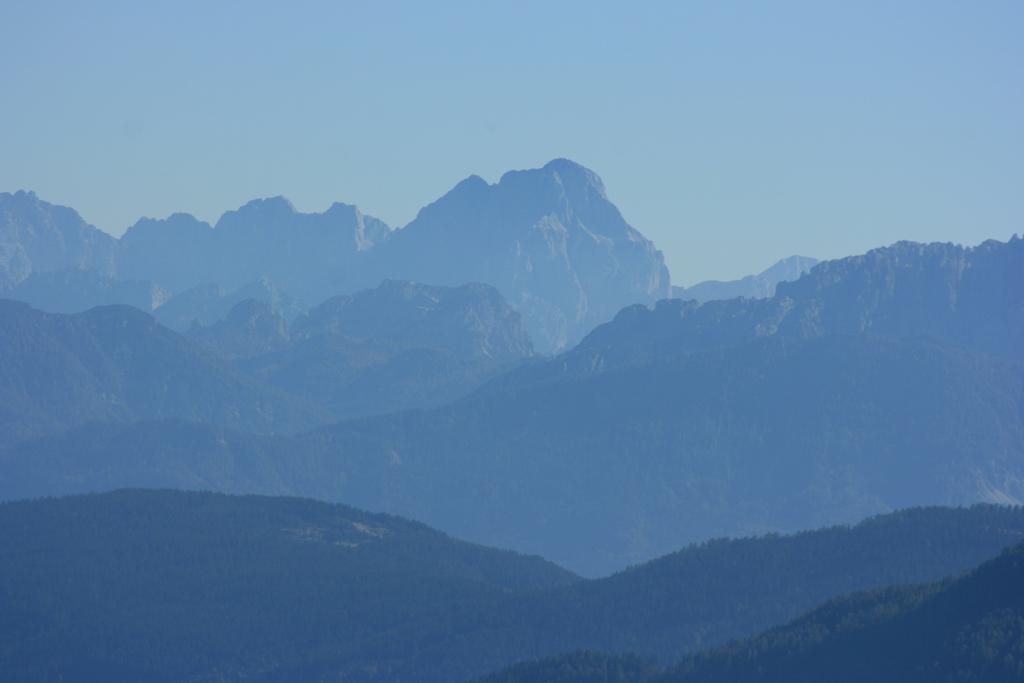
x: 731, y: 133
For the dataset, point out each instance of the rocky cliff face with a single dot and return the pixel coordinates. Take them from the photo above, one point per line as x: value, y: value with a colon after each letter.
x: 549, y: 239
x: 971, y: 297
x: 36, y: 236
x: 311, y: 255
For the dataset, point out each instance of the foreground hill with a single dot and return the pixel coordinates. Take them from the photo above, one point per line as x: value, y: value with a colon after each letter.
x: 116, y: 363
x: 970, y: 630
x: 169, y: 586
x: 197, y: 585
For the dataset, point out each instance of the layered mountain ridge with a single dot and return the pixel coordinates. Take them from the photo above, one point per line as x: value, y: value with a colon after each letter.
x: 663, y: 427
x: 548, y: 239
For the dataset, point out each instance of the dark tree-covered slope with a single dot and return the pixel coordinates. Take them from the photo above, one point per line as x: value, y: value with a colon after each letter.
x: 171, y: 586
x: 578, y: 667
x: 969, y: 630
x: 163, y: 585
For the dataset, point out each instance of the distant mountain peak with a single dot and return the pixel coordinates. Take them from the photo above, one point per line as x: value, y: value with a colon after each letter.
x: 547, y: 238
x: 570, y: 172
x: 262, y: 209
x: 760, y: 286
x: 566, y: 173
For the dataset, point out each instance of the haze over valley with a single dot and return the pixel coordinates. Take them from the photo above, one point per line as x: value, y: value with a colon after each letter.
x: 474, y: 343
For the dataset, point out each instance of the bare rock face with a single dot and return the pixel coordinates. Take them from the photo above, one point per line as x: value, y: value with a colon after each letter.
x: 311, y: 255
x: 972, y: 297
x: 36, y: 236
x: 548, y: 239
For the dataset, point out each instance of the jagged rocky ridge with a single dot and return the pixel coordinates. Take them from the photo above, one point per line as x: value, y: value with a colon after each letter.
x: 37, y: 237
x: 548, y: 239
x: 972, y: 297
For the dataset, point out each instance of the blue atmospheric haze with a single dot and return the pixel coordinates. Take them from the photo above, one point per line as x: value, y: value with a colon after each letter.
x: 732, y: 134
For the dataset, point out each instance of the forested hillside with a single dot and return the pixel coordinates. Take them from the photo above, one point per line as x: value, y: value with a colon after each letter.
x: 163, y: 585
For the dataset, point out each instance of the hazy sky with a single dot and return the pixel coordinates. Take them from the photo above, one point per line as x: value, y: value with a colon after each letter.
x: 731, y: 133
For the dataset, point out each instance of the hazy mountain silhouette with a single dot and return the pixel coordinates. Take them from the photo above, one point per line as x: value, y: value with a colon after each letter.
x: 760, y: 286
x: 117, y: 363
x: 972, y: 297
x: 251, y: 328
x: 311, y: 255
x: 74, y: 291
x: 549, y: 239
x: 663, y: 427
x: 208, y: 304
x: 610, y: 469
x: 398, y: 346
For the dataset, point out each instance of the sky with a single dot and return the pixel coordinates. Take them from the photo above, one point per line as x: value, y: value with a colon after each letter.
x: 730, y: 133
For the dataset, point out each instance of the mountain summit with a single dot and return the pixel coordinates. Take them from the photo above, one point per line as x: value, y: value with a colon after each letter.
x: 549, y: 239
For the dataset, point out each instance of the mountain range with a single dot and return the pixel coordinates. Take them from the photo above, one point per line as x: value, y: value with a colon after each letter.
x: 663, y: 427
x: 118, y: 364
x: 513, y: 368
x: 964, y: 629
x: 548, y: 239
x: 399, y: 346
